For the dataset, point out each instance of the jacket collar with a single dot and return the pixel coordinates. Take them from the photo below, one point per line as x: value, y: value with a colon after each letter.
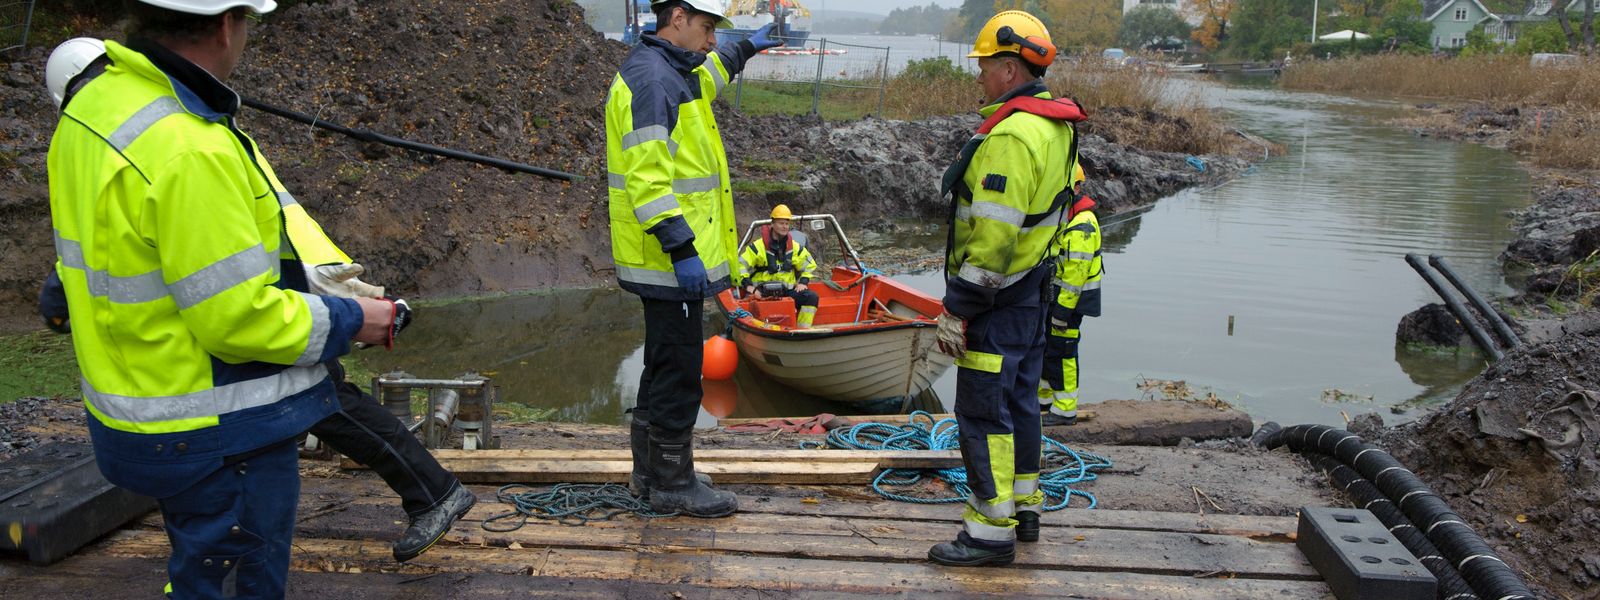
x: 682, y: 60
x: 201, y: 93
x: 1034, y: 87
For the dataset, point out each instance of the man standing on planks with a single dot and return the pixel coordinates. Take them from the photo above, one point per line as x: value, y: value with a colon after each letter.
x: 672, y: 231
x: 1009, y: 193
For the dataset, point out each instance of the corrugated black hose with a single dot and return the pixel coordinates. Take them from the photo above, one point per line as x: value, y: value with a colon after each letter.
x: 1480, y: 566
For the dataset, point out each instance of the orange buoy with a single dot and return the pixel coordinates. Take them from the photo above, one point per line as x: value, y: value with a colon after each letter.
x: 721, y: 357
x: 720, y: 397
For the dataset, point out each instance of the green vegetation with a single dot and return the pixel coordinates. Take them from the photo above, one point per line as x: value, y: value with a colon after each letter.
x: 782, y: 169
x: 917, y: 20
x: 1153, y: 26
x: 761, y: 187
x: 39, y: 363
x: 838, y: 103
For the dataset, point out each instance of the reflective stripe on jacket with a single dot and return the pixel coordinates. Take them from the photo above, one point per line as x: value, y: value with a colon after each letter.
x: 670, y: 197
x: 759, y: 264
x: 1079, y: 270
x: 171, y: 245
x: 1006, y: 202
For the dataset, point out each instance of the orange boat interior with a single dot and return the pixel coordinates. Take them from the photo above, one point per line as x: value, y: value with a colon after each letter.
x: 887, y: 302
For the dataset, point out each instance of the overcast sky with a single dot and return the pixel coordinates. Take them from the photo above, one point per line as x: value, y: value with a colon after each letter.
x: 881, y: 7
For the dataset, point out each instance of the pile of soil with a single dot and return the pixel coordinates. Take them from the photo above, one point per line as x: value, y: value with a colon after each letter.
x: 525, y: 81
x: 1518, y: 454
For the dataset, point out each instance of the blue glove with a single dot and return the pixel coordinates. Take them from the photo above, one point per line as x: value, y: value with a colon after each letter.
x: 762, y: 39
x: 691, y: 274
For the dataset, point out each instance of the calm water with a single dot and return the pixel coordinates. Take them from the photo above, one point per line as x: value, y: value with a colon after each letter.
x: 1304, y: 254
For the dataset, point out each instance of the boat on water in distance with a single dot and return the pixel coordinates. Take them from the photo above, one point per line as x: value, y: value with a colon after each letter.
x: 793, y: 20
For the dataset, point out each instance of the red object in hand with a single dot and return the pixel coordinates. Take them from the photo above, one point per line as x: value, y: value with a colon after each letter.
x: 720, y: 358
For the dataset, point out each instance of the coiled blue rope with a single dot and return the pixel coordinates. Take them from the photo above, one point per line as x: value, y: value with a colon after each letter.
x: 568, y: 504
x: 922, y: 432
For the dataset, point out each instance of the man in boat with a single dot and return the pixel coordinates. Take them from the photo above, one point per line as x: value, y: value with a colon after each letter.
x: 1077, y: 295
x: 203, y: 354
x: 1009, y: 192
x: 672, y: 230
x: 776, y: 257
x: 361, y: 428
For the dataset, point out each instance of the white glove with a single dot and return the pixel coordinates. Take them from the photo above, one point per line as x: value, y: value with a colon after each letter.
x: 339, y: 279
x: 952, y: 335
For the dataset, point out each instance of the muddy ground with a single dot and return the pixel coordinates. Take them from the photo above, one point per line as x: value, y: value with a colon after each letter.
x: 1518, y: 451
x: 525, y: 81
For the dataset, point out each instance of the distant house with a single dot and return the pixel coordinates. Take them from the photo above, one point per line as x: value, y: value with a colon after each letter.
x: 1452, y: 19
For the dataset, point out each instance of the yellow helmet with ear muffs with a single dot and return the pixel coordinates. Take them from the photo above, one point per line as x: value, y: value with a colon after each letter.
x: 1017, y: 32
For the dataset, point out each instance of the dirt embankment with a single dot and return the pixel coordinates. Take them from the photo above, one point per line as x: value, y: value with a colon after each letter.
x: 1518, y: 451
x: 524, y: 81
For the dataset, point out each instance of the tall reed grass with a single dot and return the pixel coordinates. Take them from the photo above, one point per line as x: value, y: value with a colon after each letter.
x: 1565, y: 133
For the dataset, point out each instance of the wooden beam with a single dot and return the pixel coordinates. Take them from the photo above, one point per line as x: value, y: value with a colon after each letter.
x: 617, y: 471
x: 888, y: 459
x: 732, y: 571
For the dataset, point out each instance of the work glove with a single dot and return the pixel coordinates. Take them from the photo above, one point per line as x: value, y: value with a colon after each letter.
x: 952, y: 335
x: 340, y: 279
x: 762, y: 39
x: 53, y: 304
x: 691, y: 274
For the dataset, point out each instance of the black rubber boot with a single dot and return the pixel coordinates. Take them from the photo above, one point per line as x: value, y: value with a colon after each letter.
x: 967, y: 552
x: 429, y: 526
x: 676, y: 489
x: 1027, y: 526
x: 639, y: 440
x: 1050, y: 419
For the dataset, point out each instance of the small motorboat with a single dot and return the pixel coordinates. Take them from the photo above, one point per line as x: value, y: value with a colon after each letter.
x: 873, y: 338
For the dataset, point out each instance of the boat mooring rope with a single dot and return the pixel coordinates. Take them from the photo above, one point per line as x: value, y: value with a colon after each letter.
x: 568, y: 504
x: 924, y: 433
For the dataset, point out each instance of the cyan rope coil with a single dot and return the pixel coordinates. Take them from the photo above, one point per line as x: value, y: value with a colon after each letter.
x: 568, y: 504
x: 922, y: 432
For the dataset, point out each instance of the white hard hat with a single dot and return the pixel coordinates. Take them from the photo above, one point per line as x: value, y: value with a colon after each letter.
x: 710, y: 7
x: 67, y: 61
x: 212, y: 7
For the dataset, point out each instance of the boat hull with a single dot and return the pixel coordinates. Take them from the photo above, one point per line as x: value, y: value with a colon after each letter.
x: 850, y: 355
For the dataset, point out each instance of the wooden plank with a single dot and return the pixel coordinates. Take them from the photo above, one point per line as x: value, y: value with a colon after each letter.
x: 1154, y: 552
x: 888, y: 459
x: 733, y: 571
x: 599, y: 471
x: 373, y: 491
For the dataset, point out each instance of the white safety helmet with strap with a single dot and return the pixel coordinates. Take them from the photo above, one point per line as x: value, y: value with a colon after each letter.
x: 212, y: 7
x: 710, y: 7
x: 67, y: 61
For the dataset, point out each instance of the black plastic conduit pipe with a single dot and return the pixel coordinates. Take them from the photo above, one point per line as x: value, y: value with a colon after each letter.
x: 1500, y: 326
x: 1450, y: 302
x: 367, y: 135
x: 1450, y: 584
x: 1488, y: 575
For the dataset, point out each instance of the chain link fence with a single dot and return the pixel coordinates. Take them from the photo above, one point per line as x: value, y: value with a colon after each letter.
x: 821, y: 76
x: 16, y: 17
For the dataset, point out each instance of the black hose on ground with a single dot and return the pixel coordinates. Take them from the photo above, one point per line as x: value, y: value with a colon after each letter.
x: 367, y: 135
x: 1488, y: 575
x: 1501, y: 328
x: 1450, y: 584
x: 1456, y: 308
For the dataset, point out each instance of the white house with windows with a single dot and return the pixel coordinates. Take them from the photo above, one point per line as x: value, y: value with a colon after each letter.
x: 1452, y: 19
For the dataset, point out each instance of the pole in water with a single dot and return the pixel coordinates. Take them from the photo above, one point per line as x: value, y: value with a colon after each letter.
x: 1230, y: 325
x: 1450, y: 302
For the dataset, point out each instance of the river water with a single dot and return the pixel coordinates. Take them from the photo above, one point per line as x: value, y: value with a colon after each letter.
x: 1278, y: 292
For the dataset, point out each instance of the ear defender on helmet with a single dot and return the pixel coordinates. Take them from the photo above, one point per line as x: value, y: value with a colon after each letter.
x: 1035, y: 50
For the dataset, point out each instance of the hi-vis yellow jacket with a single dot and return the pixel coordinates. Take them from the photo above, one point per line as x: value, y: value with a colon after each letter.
x: 176, y: 260
x: 760, y: 263
x: 1079, y: 269
x: 1009, y: 195
x: 669, y: 190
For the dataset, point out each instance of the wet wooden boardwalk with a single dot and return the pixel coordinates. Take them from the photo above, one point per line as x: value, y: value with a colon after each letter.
x: 780, y: 546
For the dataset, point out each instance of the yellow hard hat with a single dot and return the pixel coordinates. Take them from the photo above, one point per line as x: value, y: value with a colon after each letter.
x: 781, y: 211
x: 1015, y: 31
x: 1077, y: 174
